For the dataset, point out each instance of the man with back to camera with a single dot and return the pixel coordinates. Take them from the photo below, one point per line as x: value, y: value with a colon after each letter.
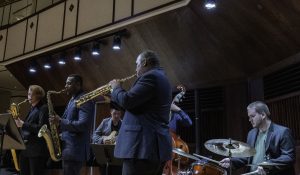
x: 144, y: 142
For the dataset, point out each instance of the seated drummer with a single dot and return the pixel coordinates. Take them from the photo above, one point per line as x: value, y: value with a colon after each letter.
x: 273, y: 143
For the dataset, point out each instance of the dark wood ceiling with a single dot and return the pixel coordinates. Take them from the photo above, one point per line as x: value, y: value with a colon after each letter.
x: 198, y: 47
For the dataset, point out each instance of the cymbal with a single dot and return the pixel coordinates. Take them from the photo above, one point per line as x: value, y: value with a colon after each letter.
x: 222, y: 147
x: 266, y: 164
x: 184, y: 154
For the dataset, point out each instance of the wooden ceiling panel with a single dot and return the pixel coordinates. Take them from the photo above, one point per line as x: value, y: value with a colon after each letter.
x: 197, y: 47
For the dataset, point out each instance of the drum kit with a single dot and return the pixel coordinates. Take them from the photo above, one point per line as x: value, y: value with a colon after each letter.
x: 224, y: 147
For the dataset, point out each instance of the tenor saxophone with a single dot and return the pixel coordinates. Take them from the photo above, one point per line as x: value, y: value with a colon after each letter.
x: 14, y: 110
x: 52, y: 136
x: 99, y: 91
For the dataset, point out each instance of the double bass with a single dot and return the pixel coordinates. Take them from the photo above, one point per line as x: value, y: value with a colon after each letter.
x: 177, y: 142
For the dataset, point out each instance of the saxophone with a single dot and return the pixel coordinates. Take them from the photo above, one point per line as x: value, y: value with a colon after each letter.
x: 99, y: 91
x: 52, y: 137
x: 14, y: 110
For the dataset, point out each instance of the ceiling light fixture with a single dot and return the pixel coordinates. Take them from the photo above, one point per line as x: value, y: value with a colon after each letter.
x: 117, y: 42
x: 77, y: 56
x: 96, y: 48
x: 210, y: 4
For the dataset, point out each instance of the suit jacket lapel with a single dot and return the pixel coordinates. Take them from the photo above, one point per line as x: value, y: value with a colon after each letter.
x: 269, y: 136
x: 253, y: 138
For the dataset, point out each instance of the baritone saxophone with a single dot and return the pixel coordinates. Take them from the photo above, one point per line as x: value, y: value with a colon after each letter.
x: 52, y: 136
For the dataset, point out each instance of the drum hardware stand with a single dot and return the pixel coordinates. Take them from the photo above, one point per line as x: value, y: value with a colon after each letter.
x: 178, y: 162
x: 230, y: 147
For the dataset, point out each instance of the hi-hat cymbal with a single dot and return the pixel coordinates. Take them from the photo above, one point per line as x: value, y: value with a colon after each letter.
x: 222, y: 147
x: 184, y: 154
x: 266, y: 164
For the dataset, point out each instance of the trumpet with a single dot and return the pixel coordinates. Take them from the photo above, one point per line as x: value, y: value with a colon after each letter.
x: 105, y: 89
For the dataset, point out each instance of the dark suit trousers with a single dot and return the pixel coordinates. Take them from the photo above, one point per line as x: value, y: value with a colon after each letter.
x: 32, y: 165
x: 141, y: 166
x: 72, y: 167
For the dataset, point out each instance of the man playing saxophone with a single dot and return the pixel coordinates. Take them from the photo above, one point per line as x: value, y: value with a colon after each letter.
x: 144, y: 142
x: 33, y: 159
x: 75, y: 125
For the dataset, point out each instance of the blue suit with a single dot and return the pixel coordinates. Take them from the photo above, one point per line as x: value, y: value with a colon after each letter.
x: 179, y: 116
x: 75, y: 126
x: 280, y: 148
x: 144, y: 133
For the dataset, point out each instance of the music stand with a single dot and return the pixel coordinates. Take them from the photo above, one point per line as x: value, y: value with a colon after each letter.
x: 105, y: 155
x: 10, y: 137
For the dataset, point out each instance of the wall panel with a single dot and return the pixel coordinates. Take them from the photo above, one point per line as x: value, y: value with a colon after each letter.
x: 1, y: 14
x: 16, y: 13
x: 122, y: 9
x: 6, y: 15
x: 2, y: 43
x: 41, y: 4
x: 50, y: 24
x: 15, y: 40
x: 91, y: 17
x: 31, y: 34
x: 143, y: 5
x: 70, y: 19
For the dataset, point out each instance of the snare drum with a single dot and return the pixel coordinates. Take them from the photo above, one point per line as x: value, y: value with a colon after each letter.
x: 206, y: 169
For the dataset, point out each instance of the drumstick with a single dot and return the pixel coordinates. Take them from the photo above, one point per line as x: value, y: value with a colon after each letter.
x: 215, y: 161
x: 253, y: 172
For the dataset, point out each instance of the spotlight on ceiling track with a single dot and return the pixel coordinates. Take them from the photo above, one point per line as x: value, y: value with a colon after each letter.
x: 47, y: 64
x: 210, y: 4
x: 96, y: 48
x: 62, y: 59
x: 117, y: 42
x: 77, y: 56
x: 32, y: 70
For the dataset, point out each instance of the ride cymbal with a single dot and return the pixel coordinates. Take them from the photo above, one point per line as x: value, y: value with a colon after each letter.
x: 223, y: 146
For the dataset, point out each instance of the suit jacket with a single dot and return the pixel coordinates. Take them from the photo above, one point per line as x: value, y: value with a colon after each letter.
x: 181, y: 117
x: 75, y: 126
x: 36, y: 118
x: 104, y: 129
x: 280, y: 148
x: 144, y: 133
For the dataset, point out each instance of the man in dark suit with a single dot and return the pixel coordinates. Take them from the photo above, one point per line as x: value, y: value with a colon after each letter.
x: 75, y: 125
x: 33, y: 159
x: 273, y: 143
x: 144, y: 142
